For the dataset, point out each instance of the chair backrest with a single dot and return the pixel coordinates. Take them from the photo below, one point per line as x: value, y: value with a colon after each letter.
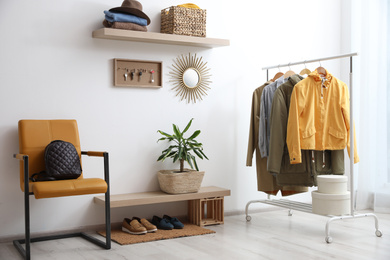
x: 35, y: 135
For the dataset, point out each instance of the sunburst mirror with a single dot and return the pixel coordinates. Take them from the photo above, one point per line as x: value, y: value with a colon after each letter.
x: 190, y: 77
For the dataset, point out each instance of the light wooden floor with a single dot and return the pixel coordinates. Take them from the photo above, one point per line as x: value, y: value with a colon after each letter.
x: 270, y: 235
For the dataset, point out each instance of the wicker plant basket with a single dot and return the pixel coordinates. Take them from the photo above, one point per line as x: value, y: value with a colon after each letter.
x: 174, y: 182
x: 183, y: 21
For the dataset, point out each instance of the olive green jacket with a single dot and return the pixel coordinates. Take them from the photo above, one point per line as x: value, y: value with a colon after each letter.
x: 313, y: 162
x: 265, y: 181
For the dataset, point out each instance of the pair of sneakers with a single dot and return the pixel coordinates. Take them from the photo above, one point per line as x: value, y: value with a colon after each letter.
x: 167, y: 222
x: 137, y: 226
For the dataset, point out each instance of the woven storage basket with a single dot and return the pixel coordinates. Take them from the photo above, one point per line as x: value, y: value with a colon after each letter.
x: 183, y: 21
x: 174, y: 182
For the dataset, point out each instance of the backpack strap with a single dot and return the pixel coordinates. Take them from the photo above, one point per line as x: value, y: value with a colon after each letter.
x: 41, y: 176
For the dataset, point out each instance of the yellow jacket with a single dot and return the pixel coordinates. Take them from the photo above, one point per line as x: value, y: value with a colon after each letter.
x: 319, y: 116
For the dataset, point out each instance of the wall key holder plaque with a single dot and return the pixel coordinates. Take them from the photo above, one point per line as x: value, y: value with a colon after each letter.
x: 137, y: 73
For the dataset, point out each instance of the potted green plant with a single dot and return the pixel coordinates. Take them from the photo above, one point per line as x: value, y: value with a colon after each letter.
x: 183, y: 150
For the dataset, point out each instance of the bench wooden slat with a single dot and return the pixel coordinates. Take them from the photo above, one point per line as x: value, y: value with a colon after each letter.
x: 152, y: 197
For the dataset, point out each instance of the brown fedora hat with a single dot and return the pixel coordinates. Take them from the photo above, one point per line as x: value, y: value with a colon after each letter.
x: 131, y: 7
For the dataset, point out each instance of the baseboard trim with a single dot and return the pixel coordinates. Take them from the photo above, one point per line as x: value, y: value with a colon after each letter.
x: 252, y: 211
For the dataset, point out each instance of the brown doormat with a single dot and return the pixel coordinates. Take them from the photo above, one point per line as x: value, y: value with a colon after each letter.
x: 124, y: 238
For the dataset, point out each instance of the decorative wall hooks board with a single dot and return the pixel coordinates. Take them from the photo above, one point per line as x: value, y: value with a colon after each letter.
x: 137, y: 73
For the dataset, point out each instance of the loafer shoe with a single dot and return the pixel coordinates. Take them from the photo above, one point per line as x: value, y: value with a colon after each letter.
x: 149, y: 226
x: 162, y: 223
x: 174, y: 221
x: 133, y: 227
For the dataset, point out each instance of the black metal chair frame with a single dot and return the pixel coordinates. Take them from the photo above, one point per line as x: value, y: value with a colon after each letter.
x: 26, y: 252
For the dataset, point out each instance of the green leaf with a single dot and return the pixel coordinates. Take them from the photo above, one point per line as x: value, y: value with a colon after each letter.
x: 195, y: 134
x: 198, y: 154
x: 167, y: 152
x: 195, y: 145
x: 162, y: 139
x: 176, y: 157
x: 201, y: 151
x: 188, y: 126
x: 163, y: 133
x: 168, y: 149
x: 188, y: 159
x: 196, y: 165
x: 177, y: 132
x: 160, y: 158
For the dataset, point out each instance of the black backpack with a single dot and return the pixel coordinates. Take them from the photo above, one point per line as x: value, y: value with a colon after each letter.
x: 61, y: 162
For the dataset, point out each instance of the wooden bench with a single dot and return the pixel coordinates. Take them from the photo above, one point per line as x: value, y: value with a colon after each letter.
x: 205, y: 207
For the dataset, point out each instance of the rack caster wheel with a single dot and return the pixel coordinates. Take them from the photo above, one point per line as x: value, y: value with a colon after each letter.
x: 248, y: 218
x: 290, y: 212
x: 328, y: 240
x: 378, y: 233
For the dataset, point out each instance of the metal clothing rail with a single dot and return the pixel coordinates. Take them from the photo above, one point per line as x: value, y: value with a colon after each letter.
x: 310, y: 61
x: 305, y: 207
x: 349, y: 55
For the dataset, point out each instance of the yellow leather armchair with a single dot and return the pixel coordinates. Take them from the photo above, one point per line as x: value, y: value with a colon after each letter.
x: 34, y: 136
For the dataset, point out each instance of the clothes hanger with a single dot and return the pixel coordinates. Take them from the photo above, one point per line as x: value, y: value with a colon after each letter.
x: 321, y: 70
x: 305, y: 71
x: 289, y: 73
x: 277, y: 75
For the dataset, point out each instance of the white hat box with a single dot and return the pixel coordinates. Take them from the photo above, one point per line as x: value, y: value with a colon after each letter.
x: 331, y: 204
x: 332, y: 184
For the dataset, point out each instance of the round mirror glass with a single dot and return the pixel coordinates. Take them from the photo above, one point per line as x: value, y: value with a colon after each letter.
x: 191, y: 77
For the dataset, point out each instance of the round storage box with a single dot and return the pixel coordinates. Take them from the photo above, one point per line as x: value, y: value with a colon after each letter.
x: 331, y: 204
x: 332, y: 184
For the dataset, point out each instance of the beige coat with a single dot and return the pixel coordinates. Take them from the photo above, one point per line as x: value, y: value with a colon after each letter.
x: 265, y: 181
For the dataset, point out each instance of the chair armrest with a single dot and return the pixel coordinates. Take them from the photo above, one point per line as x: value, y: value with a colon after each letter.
x: 93, y: 153
x: 106, y: 167
x: 24, y: 158
x: 107, y: 195
x: 20, y: 156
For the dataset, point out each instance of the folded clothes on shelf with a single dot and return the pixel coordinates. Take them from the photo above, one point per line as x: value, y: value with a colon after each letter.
x: 127, y: 18
x: 125, y: 26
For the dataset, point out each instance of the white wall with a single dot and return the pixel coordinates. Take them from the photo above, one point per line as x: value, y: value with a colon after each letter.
x: 369, y: 20
x: 51, y: 67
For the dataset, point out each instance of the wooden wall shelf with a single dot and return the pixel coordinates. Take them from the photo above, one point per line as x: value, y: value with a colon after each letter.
x: 162, y: 38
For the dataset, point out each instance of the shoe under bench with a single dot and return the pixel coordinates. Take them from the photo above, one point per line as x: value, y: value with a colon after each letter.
x: 205, y: 207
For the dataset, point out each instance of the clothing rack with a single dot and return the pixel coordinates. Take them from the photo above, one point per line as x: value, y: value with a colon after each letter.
x: 306, y: 207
